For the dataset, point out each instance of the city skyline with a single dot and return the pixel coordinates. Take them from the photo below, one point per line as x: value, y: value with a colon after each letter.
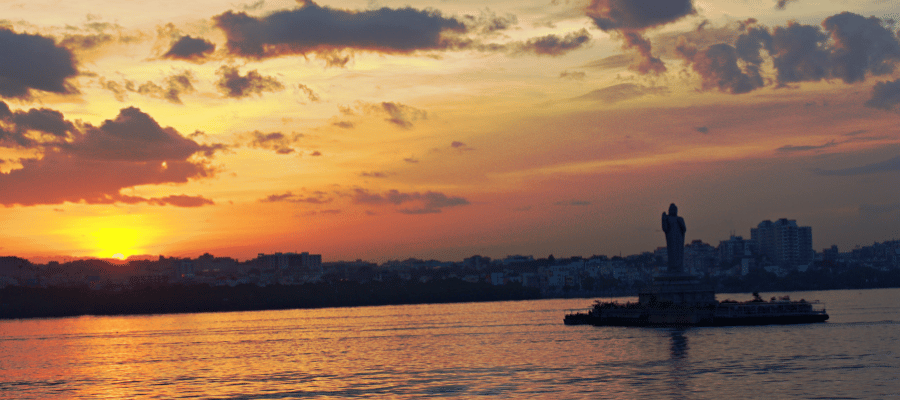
x: 438, y: 130
x: 731, y: 239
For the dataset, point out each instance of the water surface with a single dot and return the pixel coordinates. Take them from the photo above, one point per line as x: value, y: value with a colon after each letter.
x: 495, y: 350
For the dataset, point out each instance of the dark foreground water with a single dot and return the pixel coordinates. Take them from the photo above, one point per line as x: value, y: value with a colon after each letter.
x: 494, y: 350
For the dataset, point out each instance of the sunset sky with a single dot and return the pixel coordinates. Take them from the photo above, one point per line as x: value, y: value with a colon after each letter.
x: 384, y: 130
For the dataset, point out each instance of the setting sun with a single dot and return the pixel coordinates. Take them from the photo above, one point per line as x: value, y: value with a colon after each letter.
x: 116, y: 242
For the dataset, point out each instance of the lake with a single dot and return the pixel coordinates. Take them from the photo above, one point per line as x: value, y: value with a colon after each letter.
x: 517, y: 349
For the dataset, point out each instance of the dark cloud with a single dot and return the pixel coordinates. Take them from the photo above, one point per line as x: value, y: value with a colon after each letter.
x: 373, y: 174
x: 847, y: 46
x: 621, y: 92
x: 233, y: 85
x: 316, y: 153
x: 411, y: 160
x: 885, y: 95
x: 275, y: 141
x: 93, y: 164
x: 308, y: 92
x: 629, y: 19
x: 553, y: 45
x: 190, y: 49
x: 25, y: 128
x: 136, y: 137
x: 460, y: 146
x: 44, y: 120
x: 702, y: 129
x: 781, y: 4
x: 718, y: 66
x: 799, y: 53
x: 629, y: 15
x: 792, y: 148
x: 33, y: 62
x: 289, y: 197
x: 890, y: 165
x: 343, y: 124
x: 398, y: 114
x: 313, y: 28
x: 860, y: 45
x: 574, y: 75
x: 429, y: 202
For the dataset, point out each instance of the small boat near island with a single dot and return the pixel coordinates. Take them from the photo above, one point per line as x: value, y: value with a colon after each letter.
x: 677, y: 298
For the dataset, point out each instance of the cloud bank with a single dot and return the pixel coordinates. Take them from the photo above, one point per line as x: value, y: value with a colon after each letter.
x: 92, y: 164
x: 33, y: 62
x: 314, y: 28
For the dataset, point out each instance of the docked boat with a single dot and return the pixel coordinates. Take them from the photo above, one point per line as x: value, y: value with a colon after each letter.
x: 725, y: 313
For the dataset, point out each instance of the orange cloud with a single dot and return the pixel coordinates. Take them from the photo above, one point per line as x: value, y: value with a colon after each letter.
x: 93, y: 164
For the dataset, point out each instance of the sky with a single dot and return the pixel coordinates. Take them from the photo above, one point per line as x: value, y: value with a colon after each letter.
x: 382, y: 130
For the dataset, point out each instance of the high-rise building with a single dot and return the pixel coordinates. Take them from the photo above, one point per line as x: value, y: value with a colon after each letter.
x: 735, y: 249
x: 783, y: 242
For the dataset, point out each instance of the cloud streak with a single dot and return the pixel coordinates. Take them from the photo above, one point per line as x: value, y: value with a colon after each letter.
x: 890, y: 165
x: 622, y: 92
x: 397, y: 114
x: 427, y: 203
x: 275, y: 141
x: 290, y: 197
x: 553, y: 45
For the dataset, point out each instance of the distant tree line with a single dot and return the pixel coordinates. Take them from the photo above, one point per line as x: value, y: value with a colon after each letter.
x: 35, y: 302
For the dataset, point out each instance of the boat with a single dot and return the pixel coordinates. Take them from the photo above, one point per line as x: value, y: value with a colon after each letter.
x: 654, y: 312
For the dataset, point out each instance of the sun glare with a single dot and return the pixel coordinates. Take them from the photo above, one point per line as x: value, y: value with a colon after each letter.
x: 116, y: 242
